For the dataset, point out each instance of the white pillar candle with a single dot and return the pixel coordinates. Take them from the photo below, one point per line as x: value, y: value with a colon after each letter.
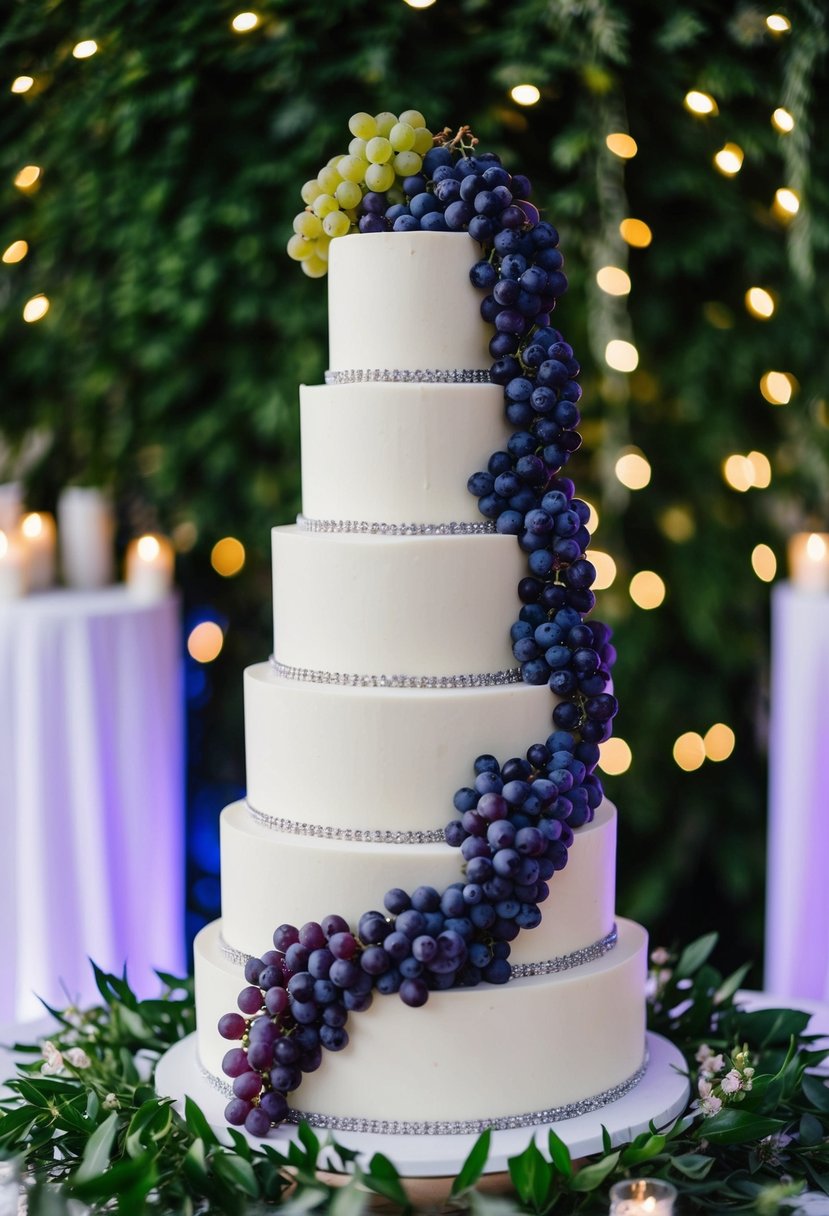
x: 39, y: 539
x: 642, y: 1197
x: 150, y: 567
x: 809, y: 561
x: 12, y: 567
x: 11, y: 501
x: 86, y: 531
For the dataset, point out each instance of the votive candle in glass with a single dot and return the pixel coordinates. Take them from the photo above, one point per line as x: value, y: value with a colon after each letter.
x: 642, y: 1197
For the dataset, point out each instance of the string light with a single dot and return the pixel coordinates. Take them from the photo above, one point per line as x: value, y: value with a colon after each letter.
x: 782, y: 120
x: 700, y: 103
x: 786, y: 202
x: 35, y: 308
x: 761, y: 470
x: 689, y: 751
x: 633, y: 469
x: 83, y: 50
x: 420, y: 3
x: 621, y: 356
x: 738, y: 472
x: 605, y: 569
x: 777, y: 387
x: 778, y: 24
x: 647, y: 589
x: 622, y: 145
x: 764, y: 563
x: 27, y: 176
x: 205, y: 642
x: 677, y: 523
x: 635, y: 233
x: 615, y: 756
x: 729, y: 159
x: 613, y: 280
x: 525, y: 94
x: 22, y: 84
x: 760, y: 303
x: 16, y: 252
x: 243, y: 22
x: 227, y: 556
x: 718, y: 742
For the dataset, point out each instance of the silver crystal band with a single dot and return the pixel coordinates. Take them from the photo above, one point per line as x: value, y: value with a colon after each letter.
x: 511, y: 675
x: 363, y: 527
x: 550, y: 966
x: 399, y: 375
x: 359, y: 835
x: 461, y: 1127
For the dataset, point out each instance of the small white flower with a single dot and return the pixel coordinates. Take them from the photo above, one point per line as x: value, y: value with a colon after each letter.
x: 660, y: 956
x: 52, y: 1059
x: 731, y: 1082
x: 111, y: 1102
x: 77, y: 1057
x: 708, y: 1103
x: 703, y: 1053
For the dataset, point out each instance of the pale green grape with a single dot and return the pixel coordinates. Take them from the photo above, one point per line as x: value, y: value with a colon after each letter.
x: 352, y: 168
x: 379, y: 177
x: 357, y: 148
x: 336, y: 223
x: 324, y: 204
x: 385, y: 122
x: 310, y: 191
x: 423, y: 140
x: 406, y: 164
x: 332, y: 160
x: 299, y: 249
x: 307, y: 224
x: 379, y: 150
x: 348, y: 194
x: 402, y: 137
x: 321, y: 247
x: 413, y: 117
x: 328, y: 179
x: 362, y: 125
x: 314, y: 267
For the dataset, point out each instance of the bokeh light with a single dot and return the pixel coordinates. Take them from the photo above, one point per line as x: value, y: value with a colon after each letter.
x: 636, y: 233
x: 782, y: 120
x: 738, y: 472
x: 633, y: 469
x: 525, y: 94
x: 647, y: 589
x: 689, y: 751
x: 622, y: 145
x: 760, y: 303
x: 761, y: 469
x: 777, y: 387
x: 227, y: 556
x: 613, y: 280
x: 26, y: 177
x: 605, y: 568
x: 35, y: 308
x: 205, y: 641
x: 243, y: 22
x: 729, y: 159
x: 621, y: 356
x: 786, y: 202
x: 148, y: 548
x: 778, y: 24
x: 699, y: 102
x: 719, y: 742
x: 615, y: 756
x: 22, y: 84
x: 764, y: 563
x: 16, y: 252
x: 84, y: 49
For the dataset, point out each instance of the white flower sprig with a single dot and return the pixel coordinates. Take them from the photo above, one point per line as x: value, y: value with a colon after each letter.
x: 55, y: 1060
x: 716, y: 1090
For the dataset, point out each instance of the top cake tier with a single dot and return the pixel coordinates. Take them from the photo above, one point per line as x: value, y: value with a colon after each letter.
x: 403, y: 301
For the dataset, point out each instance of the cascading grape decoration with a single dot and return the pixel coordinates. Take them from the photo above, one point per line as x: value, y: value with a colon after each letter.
x: 515, y: 824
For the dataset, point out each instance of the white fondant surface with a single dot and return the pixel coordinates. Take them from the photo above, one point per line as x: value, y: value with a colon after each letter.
x: 382, y: 758
x: 271, y: 877
x: 397, y: 453
x: 404, y: 300
x: 567, y: 1037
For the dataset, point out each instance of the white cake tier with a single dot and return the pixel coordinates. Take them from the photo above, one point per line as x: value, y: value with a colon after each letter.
x: 475, y: 1053
x: 403, y: 300
x: 395, y: 605
x: 378, y: 758
x: 397, y: 453
x: 271, y: 877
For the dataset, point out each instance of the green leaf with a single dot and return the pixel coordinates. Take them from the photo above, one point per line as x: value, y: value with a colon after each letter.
x: 128, y: 1179
x: 531, y: 1175
x: 98, y: 1148
x: 197, y: 1123
x: 764, y: 1027
x: 592, y: 1176
x: 383, y: 1178
x: 651, y: 1146
x: 817, y: 1091
x: 731, y: 985
x: 559, y: 1154
x: 473, y: 1166
x: 151, y: 1122
x: 810, y: 1131
x: 734, y: 1126
x: 693, y: 1165
x: 348, y: 1200
x: 17, y: 1124
x: 237, y: 1173
x: 195, y: 1163
x: 693, y: 956
x: 310, y: 1140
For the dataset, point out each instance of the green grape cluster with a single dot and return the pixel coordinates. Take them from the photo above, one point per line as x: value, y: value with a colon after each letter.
x: 385, y: 149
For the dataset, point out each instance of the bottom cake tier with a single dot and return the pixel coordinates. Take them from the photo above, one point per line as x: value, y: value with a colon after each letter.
x: 534, y: 1050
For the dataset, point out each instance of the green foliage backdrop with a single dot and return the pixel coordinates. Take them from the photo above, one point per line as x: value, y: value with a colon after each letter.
x: 178, y: 331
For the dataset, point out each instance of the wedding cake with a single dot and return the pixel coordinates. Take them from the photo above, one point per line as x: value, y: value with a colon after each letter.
x: 394, y: 668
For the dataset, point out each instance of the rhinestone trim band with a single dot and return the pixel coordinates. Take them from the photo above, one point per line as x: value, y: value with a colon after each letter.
x: 550, y: 966
x: 363, y: 527
x: 512, y: 675
x: 462, y: 1127
x: 398, y: 375
x: 359, y: 835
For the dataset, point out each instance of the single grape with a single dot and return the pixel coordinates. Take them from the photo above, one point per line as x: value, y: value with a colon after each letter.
x: 363, y: 125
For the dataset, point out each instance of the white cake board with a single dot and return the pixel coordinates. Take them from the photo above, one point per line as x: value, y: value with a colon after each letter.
x: 660, y: 1096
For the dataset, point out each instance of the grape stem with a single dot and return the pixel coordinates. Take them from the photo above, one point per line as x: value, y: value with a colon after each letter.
x: 462, y: 141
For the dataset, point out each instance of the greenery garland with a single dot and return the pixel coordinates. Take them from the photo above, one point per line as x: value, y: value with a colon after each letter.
x: 84, y: 1121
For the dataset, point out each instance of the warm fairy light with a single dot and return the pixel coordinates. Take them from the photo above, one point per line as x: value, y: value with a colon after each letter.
x: 689, y: 751
x: 777, y: 387
x: 782, y: 120
x: 700, y: 103
x: 761, y: 470
x: 605, y: 569
x: 22, y: 84
x: 592, y: 519
x: 83, y: 50
x: 16, y: 252
x: 738, y: 472
x: 778, y: 24
x: 524, y: 94
x: 621, y: 145
x: 760, y: 303
x: 621, y: 356
x: 35, y: 308
x: 729, y: 159
x: 185, y: 535
x: 227, y: 556
x: 243, y: 22
x: 420, y: 3
x: 615, y: 756
x: 28, y: 175
x: 719, y: 742
x: 613, y: 280
x: 633, y: 470
x: 32, y: 526
x: 148, y: 548
x: 647, y: 589
x: 764, y: 563
x: 205, y: 642
x: 635, y: 233
x: 677, y: 523
x: 786, y: 201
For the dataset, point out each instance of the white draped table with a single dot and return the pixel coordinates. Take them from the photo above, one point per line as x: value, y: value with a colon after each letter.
x: 91, y: 795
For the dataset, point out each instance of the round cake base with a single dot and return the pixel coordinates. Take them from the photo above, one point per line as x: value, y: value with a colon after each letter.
x: 659, y: 1097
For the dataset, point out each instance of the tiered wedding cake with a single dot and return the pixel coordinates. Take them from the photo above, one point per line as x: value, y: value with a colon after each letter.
x: 392, y: 671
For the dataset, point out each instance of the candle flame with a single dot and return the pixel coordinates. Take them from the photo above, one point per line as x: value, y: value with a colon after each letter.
x: 815, y: 547
x: 4, y: 543
x: 148, y: 548
x: 649, y: 1204
x: 32, y: 525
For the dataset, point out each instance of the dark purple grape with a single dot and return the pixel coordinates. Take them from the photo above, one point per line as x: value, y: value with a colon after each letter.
x: 274, y: 1106
x: 232, y: 1026
x: 236, y: 1111
x: 247, y: 1085
x: 257, y: 1122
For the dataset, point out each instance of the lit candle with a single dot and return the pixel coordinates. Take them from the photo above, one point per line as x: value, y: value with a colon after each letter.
x: 12, y: 567
x: 642, y: 1197
x: 150, y: 567
x: 86, y: 530
x: 809, y: 561
x: 39, y: 539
